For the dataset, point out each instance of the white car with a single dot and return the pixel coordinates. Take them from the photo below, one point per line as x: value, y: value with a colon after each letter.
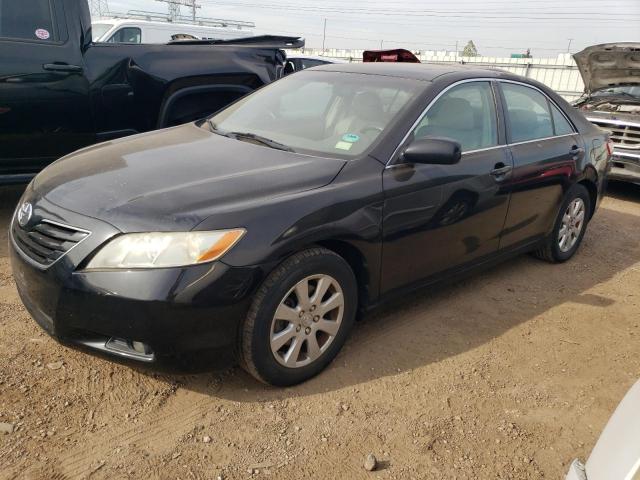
x: 616, y: 455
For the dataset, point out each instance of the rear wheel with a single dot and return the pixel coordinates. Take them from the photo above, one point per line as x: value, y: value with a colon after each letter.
x: 569, y: 228
x: 300, y: 318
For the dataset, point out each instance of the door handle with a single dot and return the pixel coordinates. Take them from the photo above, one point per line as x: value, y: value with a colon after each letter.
x: 576, y: 151
x: 62, y: 67
x: 500, y: 171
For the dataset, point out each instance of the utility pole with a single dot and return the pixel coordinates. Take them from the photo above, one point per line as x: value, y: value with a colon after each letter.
x: 324, y: 34
x: 99, y: 8
x: 569, y: 46
x: 174, y: 8
x: 381, y: 44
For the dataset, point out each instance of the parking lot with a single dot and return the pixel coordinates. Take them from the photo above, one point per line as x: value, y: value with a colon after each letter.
x: 509, y: 374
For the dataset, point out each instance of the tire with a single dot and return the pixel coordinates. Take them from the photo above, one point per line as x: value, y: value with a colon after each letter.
x: 552, y: 250
x: 315, y: 329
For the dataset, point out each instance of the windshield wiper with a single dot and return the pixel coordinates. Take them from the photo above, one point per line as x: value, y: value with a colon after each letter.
x: 214, y: 128
x: 261, y: 140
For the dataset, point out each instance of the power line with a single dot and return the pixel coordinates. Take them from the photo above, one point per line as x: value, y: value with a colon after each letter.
x: 174, y: 8
x: 440, y: 22
x: 469, y: 14
x: 424, y: 44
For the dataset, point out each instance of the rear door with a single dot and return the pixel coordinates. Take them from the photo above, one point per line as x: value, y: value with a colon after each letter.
x: 440, y: 217
x: 44, y: 96
x: 545, y: 149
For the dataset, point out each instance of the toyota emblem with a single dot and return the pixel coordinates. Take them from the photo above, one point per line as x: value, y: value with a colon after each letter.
x: 24, y: 213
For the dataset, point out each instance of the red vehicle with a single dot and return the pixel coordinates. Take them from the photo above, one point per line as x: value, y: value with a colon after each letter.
x: 397, y: 55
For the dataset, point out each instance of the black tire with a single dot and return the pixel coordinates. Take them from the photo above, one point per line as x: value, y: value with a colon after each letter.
x: 254, y: 350
x: 551, y: 251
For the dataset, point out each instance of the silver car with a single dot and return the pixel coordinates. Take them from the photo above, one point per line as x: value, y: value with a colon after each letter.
x: 616, y: 455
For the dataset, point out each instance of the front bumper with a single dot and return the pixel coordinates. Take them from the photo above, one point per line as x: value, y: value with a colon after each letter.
x: 179, y: 314
x: 625, y: 165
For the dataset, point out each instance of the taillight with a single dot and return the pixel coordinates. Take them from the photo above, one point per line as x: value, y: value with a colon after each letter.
x: 610, y: 147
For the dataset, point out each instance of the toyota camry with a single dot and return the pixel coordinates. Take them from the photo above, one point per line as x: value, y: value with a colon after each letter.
x: 260, y: 232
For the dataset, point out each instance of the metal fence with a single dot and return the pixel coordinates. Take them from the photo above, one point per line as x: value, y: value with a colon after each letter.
x: 560, y: 74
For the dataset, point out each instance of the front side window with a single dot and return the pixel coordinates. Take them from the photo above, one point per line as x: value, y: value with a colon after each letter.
x: 28, y: 20
x: 465, y: 113
x: 333, y: 113
x: 127, y: 35
x: 527, y: 113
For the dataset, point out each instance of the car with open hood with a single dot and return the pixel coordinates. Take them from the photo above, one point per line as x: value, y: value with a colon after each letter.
x: 260, y: 231
x: 611, y: 100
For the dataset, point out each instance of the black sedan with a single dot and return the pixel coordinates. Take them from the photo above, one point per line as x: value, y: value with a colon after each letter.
x: 262, y: 230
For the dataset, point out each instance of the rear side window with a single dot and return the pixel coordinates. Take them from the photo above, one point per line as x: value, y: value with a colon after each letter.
x: 527, y: 112
x: 561, y: 124
x: 465, y: 113
x: 127, y: 35
x: 28, y: 20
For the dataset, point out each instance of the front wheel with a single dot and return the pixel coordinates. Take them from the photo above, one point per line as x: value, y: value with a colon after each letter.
x: 300, y: 318
x: 569, y: 228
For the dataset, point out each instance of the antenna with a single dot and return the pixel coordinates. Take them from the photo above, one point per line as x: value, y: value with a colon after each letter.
x: 174, y: 8
x: 99, y: 8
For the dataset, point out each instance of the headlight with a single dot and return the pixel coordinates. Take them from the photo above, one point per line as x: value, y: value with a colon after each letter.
x: 165, y: 249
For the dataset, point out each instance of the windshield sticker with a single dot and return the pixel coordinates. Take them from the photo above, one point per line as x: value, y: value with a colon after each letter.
x: 344, y: 145
x: 350, y: 137
x: 42, y: 34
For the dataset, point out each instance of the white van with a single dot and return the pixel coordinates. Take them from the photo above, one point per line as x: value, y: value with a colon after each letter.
x: 122, y: 30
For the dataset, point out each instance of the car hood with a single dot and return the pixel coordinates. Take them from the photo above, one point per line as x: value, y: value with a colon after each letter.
x: 173, y: 179
x: 609, y: 64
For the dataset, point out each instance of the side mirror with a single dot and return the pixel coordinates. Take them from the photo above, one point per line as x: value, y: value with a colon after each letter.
x: 433, y: 150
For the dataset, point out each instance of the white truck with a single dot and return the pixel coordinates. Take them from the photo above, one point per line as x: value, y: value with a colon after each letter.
x: 134, y: 30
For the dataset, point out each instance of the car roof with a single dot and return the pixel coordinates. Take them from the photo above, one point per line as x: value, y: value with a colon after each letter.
x: 416, y: 71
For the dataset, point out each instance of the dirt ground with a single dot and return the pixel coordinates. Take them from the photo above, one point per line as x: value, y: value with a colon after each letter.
x: 509, y: 374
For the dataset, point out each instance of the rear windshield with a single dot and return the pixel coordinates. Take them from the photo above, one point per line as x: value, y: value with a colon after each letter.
x: 339, y: 114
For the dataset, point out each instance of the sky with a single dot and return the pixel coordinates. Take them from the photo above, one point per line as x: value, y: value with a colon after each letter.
x: 497, y: 27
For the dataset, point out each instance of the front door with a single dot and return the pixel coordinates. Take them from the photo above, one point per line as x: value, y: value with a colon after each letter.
x: 44, y: 95
x: 438, y: 217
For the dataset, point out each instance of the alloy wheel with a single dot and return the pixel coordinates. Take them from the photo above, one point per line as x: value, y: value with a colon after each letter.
x: 572, y: 225
x: 307, y: 321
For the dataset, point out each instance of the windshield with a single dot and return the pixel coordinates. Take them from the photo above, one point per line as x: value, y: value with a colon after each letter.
x: 339, y: 114
x: 625, y: 90
x: 99, y: 29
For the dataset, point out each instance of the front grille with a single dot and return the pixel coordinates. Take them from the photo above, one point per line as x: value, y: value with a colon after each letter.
x: 624, y: 135
x: 46, y: 241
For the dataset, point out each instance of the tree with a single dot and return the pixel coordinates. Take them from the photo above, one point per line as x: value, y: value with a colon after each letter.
x: 470, y: 50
